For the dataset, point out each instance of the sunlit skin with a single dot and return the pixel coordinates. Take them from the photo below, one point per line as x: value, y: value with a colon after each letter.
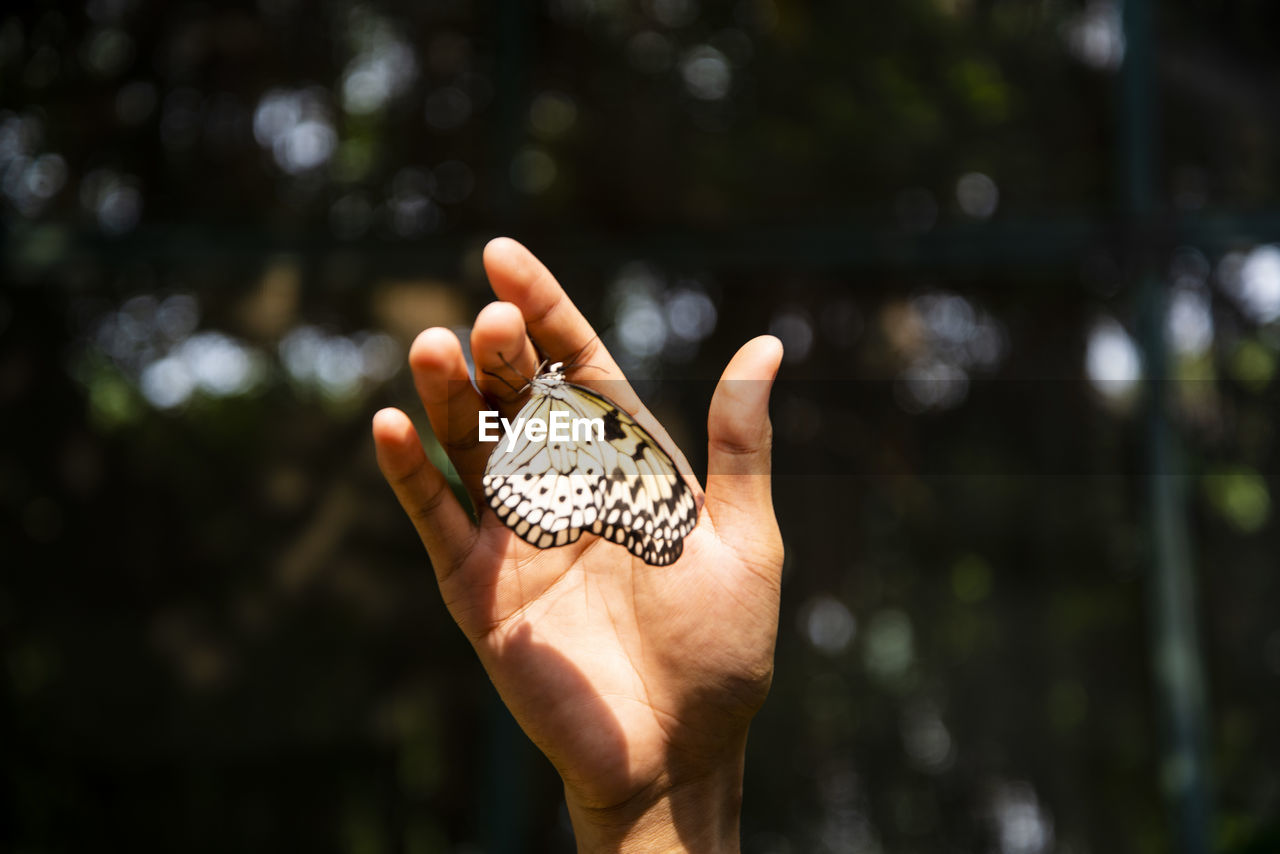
x: 638, y: 682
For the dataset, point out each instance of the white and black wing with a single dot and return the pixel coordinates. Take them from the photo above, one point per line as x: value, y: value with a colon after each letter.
x: 645, y: 503
x: 623, y: 486
x: 539, y: 490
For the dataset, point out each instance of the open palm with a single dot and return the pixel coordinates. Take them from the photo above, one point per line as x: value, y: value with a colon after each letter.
x: 638, y: 682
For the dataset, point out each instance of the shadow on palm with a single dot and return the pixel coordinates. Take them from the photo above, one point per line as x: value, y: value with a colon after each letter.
x: 611, y: 666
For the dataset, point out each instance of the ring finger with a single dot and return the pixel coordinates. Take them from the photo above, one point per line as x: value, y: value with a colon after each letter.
x: 452, y: 404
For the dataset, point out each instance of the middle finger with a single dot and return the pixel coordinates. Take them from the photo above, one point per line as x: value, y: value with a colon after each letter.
x: 504, y: 357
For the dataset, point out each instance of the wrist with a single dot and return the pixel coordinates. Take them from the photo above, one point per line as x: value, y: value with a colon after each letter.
x: 697, y: 812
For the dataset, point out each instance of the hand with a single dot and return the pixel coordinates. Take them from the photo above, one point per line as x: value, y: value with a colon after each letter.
x: 637, y: 682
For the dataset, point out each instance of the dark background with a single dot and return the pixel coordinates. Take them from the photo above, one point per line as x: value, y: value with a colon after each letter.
x: 1023, y: 258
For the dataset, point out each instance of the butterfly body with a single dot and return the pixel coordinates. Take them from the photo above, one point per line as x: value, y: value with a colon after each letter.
x: 616, y: 482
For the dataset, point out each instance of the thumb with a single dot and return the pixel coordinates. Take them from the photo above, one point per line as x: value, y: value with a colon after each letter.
x: 740, y: 441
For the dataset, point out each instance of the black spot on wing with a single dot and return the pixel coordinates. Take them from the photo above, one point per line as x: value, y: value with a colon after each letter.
x: 613, y: 426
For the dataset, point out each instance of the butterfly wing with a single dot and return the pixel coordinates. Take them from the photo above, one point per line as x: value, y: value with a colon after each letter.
x: 538, y: 489
x: 622, y: 487
x: 645, y: 503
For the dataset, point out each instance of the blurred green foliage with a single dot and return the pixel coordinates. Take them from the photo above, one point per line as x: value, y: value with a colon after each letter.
x: 224, y: 223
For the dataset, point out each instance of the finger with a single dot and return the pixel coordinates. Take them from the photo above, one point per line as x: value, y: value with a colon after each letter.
x: 444, y: 526
x: 453, y: 405
x: 553, y: 321
x: 563, y: 334
x: 740, y: 441
x: 502, y: 352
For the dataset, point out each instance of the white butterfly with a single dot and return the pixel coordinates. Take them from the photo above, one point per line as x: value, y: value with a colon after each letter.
x: 623, y: 487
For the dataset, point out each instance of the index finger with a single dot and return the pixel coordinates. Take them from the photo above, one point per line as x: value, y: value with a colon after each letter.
x: 563, y: 334
x: 553, y: 321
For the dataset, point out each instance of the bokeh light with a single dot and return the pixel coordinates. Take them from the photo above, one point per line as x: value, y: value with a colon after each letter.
x: 552, y: 114
x: 114, y: 200
x: 889, y: 648
x: 943, y: 338
x: 1022, y: 825
x: 107, y: 51
x: 533, y: 170
x: 827, y: 624
x: 925, y: 738
x: 641, y: 323
x: 794, y: 328
x: 706, y: 73
x: 1190, y: 321
x: 295, y: 126
x: 650, y: 52
x: 691, y: 313
x: 210, y: 362
x: 977, y: 195
x: 337, y: 366
x: 1253, y: 280
x: 410, y: 208
x: 1096, y: 36
x: 1112, y: 361
x: 155, y: 345
x: 383, y: 69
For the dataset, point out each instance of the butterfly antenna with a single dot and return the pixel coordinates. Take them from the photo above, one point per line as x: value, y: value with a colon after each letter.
x: 573, y: 360
x: 513, y: 368
x: 504, y: 380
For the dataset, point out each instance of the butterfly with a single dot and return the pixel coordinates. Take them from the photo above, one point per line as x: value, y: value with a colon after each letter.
x: 612, y: 479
